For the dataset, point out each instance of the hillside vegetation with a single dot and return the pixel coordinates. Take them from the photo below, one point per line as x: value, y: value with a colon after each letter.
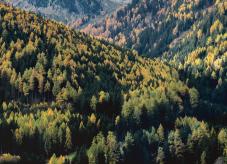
x: 200, y: 54
x: 68, y: 97
x: 150, y: 25
x: 74, y: 12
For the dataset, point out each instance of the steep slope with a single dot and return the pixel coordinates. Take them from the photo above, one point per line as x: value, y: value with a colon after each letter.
x: 70, y: 12
x: 149, y: 25
x: 69, y: 98
x: 200, y: 55
x: 37, y: 55
x: 57, y: 84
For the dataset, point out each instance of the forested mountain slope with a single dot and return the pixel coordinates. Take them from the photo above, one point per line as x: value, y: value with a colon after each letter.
x: 74, y: 12
x: 150, y: 25
x: 68, y: 97
x: 201, y: 55
x: 49, y: 72
x: 39, y: 56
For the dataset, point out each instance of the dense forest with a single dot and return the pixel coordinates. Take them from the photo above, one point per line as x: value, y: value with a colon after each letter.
x: 149, y: 26
x: 200, y: 55
x: 67, y: 97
